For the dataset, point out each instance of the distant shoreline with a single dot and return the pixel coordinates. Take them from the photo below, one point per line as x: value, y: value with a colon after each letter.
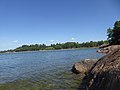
x: 57, y: 46
x: 50, y: 50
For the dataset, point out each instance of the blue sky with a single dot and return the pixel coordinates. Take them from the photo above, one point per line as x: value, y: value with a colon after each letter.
x: 52, y: 21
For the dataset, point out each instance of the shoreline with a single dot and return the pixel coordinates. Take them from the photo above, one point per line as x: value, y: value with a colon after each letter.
x: 51, y: 50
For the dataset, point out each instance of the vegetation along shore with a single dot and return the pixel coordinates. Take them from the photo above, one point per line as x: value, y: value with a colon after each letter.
x: 58, y: 46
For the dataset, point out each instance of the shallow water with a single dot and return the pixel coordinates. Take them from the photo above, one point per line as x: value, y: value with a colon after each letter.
x: 42, y: 70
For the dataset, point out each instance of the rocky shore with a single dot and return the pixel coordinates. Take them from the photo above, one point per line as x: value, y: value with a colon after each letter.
x: 107, y: 48
x: 105, y: 73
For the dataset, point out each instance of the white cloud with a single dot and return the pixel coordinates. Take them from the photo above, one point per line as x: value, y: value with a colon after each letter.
x: 15, y: 41
x: 72, y: 38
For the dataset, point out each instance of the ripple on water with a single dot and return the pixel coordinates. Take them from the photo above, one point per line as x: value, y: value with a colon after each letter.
x: 42, y: 70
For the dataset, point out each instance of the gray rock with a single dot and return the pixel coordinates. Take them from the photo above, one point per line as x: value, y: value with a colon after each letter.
x: 83, y: 66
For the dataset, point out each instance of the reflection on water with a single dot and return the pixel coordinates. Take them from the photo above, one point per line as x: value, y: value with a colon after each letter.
x: 42, y: 69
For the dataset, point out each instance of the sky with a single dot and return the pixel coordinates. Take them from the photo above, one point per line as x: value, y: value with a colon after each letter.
x: 55, y: 21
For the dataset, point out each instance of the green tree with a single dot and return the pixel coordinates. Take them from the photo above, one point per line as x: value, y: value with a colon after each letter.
x: 49, y: 48
x: 114, y: 34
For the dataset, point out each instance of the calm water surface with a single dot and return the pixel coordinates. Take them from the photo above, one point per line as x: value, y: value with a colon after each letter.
x: 41, y: 65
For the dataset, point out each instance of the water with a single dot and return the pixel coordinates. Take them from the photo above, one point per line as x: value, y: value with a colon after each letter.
x: 42, y: 66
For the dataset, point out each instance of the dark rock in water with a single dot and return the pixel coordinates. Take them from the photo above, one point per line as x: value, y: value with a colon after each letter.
x: 83, y: 66
x: 105, y: 73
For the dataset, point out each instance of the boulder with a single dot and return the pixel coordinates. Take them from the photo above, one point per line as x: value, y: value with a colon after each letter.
x: 108, y: 48
x: 105, y: 73
x: 83, y: 66
x: 104, y: 45
x: 104, y: 50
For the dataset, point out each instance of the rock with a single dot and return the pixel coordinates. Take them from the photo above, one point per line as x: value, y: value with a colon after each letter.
x: 104, y: 45
x: 105, y: 73
x: 105, y: 50
x: 78, y: 68
x: 83, y: 66
x: 108, y: 48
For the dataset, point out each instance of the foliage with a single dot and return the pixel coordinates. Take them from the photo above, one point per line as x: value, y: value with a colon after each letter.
x: 67, y: 45
x: 114, y: 34
x: 49, y: 48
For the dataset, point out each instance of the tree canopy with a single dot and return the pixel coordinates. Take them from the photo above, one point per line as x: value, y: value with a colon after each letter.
x: 114, y: 34
x: 67, y: 45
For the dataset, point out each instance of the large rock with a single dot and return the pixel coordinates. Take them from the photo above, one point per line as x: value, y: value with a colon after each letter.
x: 104, y: 45
x: 108, y: 48
x: 83, y: 66
x: 105, y: 73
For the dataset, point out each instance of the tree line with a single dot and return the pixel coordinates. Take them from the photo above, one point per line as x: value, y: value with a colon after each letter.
x: 67, y: 45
